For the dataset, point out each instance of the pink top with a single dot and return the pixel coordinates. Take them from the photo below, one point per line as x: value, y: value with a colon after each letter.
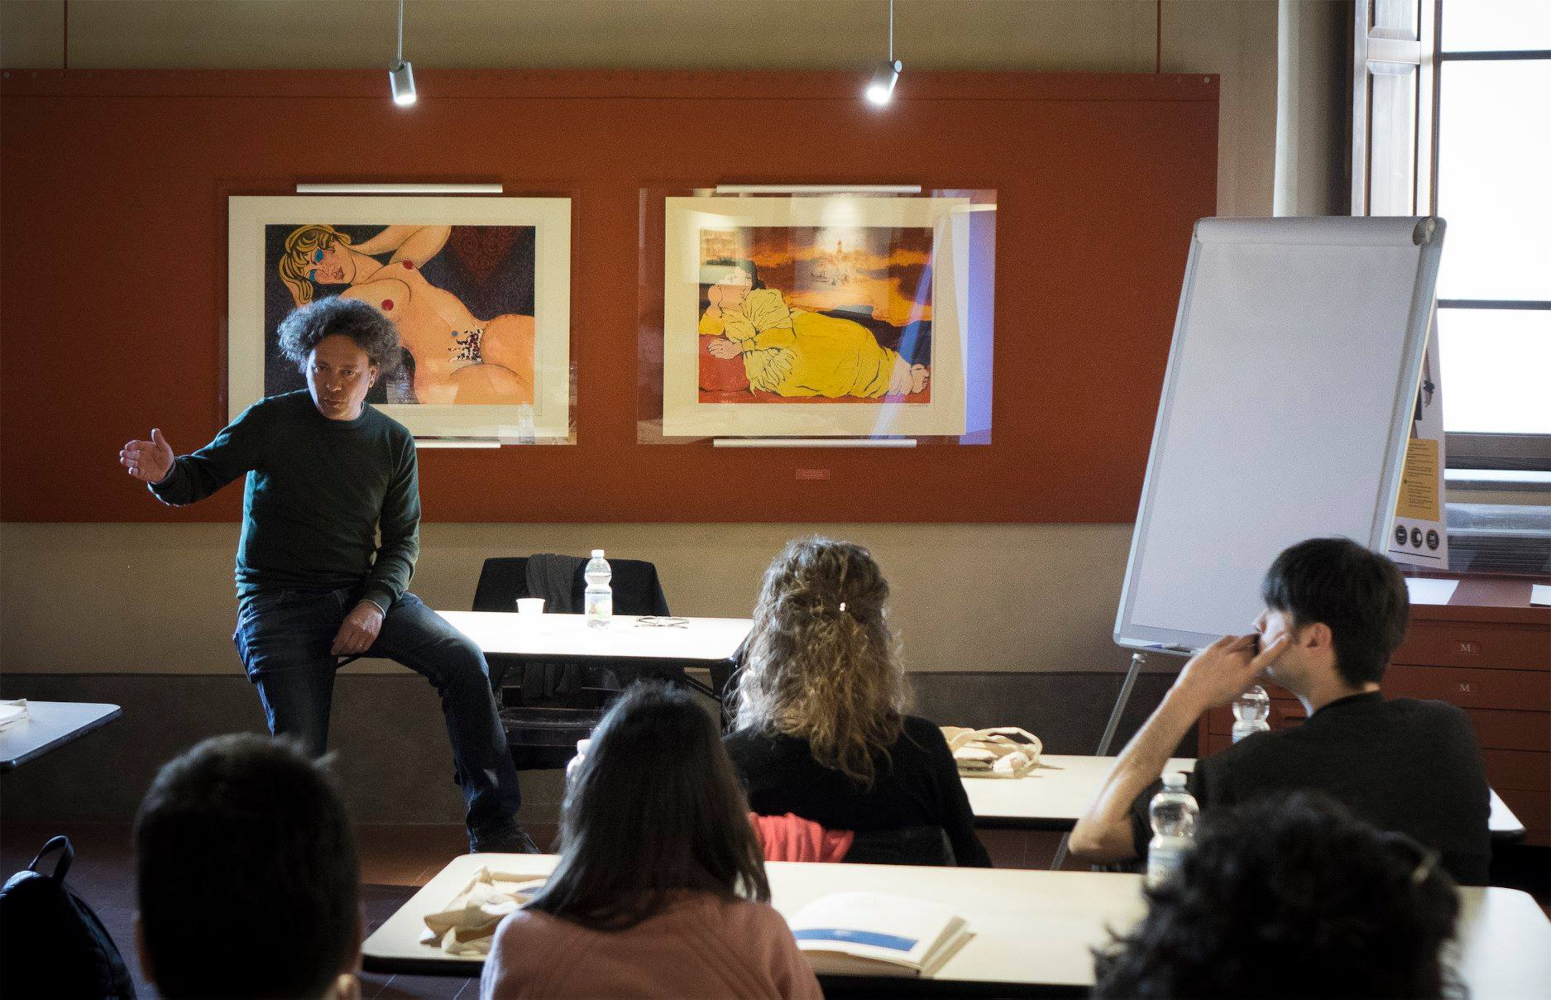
x: 701, y: 946
x: 792, y: 838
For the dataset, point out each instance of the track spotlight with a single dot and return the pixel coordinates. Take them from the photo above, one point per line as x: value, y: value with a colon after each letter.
x: 880, y: 90
x: 401, y: 75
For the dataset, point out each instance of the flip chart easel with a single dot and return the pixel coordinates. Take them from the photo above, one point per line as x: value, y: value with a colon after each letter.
x: 1286, y: 407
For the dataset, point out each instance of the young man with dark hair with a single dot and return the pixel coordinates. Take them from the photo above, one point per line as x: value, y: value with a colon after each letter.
x: 326, y: 474
x: 248, y: 883
x: 1334, y: 614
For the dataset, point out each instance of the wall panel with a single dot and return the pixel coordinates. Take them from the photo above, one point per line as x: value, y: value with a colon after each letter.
x: 112, y: 270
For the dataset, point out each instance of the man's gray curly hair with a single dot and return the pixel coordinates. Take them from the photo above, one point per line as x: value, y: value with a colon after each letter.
x: 374, y: 333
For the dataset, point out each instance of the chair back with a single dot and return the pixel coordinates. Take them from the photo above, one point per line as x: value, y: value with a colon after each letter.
x: 546, y: 707
x: 909, y: 845
x: 637, y: 590
x: 501, y: 581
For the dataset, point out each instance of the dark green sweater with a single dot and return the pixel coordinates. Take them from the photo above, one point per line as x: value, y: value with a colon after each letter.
x: 318, y: 490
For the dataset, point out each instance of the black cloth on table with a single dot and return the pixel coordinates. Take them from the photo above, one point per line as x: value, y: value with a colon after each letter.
x: 1405, y: 765
x: 917, y: 784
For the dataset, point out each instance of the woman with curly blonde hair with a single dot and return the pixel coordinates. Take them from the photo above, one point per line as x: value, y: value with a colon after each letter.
x: 821, y: 724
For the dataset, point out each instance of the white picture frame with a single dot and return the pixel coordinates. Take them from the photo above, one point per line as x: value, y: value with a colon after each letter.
x: 252, y: 311
x: 687, y: 414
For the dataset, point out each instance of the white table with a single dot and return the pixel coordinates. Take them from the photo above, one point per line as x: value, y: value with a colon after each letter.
x: 568, y: 637
x: 1051, y: 797
x: 51, y: 724
x: 1033, y: 929
x: 710, y: 643
x: 1055, y: 794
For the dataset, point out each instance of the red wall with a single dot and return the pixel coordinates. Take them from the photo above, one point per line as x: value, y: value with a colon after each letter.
x: 113, y: 189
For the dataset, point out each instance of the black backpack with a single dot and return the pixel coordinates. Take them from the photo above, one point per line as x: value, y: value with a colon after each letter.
x: 51, y: 943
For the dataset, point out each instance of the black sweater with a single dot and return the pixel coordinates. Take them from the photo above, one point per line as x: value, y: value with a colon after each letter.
x: 917, y: 784
x: 1407, y: 765
x: 318, y: 492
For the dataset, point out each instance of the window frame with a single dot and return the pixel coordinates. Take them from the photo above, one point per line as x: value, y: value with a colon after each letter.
x: 1415, y: 40
x: 1468, y: 450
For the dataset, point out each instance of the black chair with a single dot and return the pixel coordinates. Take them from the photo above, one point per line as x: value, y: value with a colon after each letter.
x: 910, y: 845
x: 547, y: 707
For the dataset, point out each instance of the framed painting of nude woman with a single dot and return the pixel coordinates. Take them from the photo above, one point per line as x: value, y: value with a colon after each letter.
x: 479, y: 288
x: 837, y: 315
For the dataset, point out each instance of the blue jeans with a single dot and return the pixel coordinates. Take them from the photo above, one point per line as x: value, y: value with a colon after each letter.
x: 284, y: 639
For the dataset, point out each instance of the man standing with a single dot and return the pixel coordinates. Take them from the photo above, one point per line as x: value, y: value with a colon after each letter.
x: 1335, y: 612
x: 326, y: 473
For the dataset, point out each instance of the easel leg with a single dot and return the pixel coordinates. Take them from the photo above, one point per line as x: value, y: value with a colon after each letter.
x: 1138, y: 661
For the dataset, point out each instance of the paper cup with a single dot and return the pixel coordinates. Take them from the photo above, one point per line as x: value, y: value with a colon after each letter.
x: 530, y: 605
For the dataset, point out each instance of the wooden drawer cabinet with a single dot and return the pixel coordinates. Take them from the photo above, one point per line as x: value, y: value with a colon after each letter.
x: 1471, y: 644
x: 1488, y: 652
x: 1511, y: 730
x: 1532, y: 808
x: 1469, y: 687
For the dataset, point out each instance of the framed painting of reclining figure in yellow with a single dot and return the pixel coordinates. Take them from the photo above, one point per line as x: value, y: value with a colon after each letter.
x: 837, y: 315
x: 479, y: 289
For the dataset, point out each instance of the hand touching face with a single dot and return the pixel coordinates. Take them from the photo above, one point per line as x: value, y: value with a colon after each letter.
x: 1222, y: 671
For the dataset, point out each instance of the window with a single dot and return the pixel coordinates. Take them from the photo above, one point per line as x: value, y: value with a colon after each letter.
x: 1492, y: 182
x: 1450, y: 103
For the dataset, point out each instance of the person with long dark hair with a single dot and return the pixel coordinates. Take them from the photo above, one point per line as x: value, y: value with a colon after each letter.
x: 1291, y: 898
x: 661, y: 887
x: 822, y: 730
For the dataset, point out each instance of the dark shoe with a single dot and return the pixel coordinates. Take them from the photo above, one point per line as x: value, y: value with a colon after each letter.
x: 511, y: 840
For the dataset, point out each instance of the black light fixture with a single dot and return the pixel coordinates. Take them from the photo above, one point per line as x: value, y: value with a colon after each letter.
x: 881, y: 89
x: 401, y: 75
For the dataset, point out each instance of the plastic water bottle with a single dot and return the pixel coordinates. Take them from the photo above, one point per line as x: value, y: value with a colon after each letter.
x: 1173, y: 815
x: 1249, y: 712
x: 582, y: 746
x: 598, y: 601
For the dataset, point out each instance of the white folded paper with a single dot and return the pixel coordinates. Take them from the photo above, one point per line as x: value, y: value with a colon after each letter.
x: 12, y: 712
x: 466, y: 926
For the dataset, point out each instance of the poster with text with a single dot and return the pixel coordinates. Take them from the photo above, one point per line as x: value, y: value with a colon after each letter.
x: 1419, y: 535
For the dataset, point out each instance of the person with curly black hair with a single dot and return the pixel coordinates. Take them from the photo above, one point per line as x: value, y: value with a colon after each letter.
x: 1334, y: 613
x: 327, y: 474
x: 1290, y: 898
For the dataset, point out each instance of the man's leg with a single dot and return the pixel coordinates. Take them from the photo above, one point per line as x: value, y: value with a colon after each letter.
x: 284, y: 641
x: 419, y: 638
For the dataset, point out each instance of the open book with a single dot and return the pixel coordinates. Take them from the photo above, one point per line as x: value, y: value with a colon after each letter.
x: 876, y: 934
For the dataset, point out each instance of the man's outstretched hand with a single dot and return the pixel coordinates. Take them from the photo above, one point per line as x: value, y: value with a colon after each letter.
x: 149, y: 461
x: 359, y: 631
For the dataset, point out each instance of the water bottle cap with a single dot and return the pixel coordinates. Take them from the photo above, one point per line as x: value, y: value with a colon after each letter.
x: 597, y: 553
x: 1174, y: 780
